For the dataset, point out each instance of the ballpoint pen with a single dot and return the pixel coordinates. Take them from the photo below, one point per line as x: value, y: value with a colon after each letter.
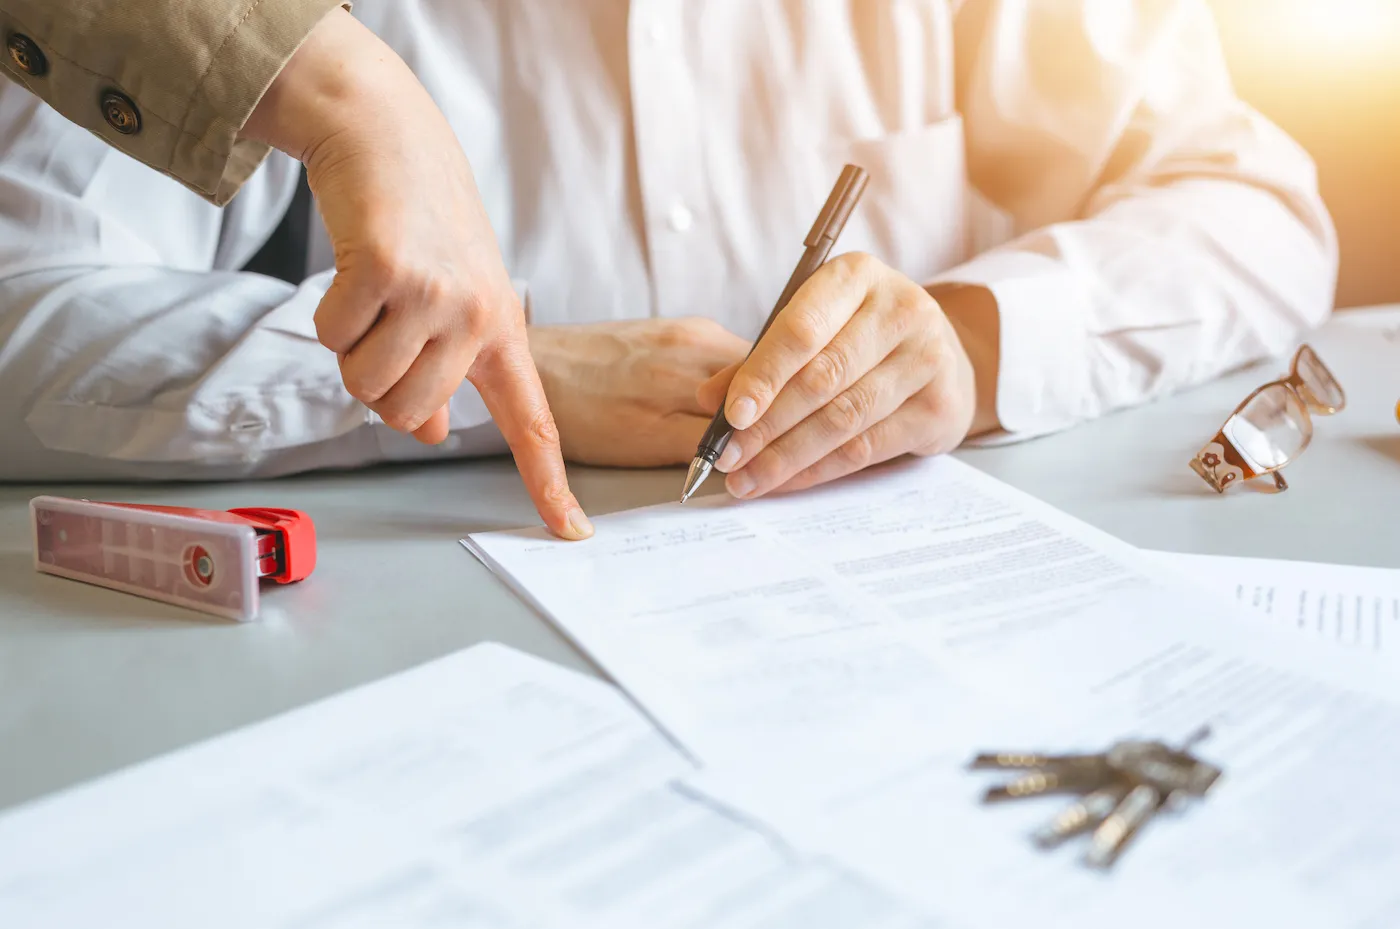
x: 819, y: 242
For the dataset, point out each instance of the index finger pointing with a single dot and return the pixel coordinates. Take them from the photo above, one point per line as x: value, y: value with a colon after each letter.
x: 510, y: 386
x: 818, y: 311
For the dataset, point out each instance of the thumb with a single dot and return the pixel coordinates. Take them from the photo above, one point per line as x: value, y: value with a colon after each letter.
x: 434, y: 431
x: 711, y: 394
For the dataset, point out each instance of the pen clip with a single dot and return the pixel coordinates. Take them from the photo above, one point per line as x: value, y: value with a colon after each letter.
x: 844, y: 197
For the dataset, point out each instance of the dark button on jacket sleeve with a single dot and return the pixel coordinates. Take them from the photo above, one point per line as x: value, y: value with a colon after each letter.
x: 169, y: 82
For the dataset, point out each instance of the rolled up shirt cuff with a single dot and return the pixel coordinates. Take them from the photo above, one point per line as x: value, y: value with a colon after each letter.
x: 1042, y: 375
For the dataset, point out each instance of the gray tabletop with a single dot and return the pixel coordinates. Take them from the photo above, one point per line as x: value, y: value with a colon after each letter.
x: 92, y: 681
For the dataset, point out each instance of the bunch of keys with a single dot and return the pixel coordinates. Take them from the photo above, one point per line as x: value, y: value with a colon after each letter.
x: 1119, y: 790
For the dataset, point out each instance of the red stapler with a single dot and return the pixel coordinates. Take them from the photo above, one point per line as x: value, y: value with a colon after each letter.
x: 208, y: 560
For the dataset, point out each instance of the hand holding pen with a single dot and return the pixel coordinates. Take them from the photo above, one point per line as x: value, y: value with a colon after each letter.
x: 827, y: 229
x: 856, y: 365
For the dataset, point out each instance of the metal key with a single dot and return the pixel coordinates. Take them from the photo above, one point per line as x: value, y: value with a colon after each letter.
x: 1163, y: 775
x: 1076, y: 778
x: 1003, y: 761
x: 1122, y: 789
x: 1124, y: 761
x: 1081, y: 816
x: 1051, y: 774
x: 1119, y: 753
x: 1112, y: 835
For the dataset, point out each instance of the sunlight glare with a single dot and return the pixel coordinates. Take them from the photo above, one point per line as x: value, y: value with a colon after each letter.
x: 1340, y: 24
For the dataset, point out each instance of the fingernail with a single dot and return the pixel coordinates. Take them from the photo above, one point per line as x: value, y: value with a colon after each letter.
x: 731, y: 456
x: 579, y: 526
x: 742, y: 413
x: 739, y: 485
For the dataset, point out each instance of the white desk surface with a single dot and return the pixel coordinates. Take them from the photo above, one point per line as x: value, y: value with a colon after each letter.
x: 91, y: 680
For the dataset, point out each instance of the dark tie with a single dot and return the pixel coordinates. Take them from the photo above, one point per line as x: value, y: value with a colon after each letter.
x: 284, y: 255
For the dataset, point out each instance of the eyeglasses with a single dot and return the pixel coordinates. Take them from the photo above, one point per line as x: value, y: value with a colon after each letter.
x: 1272, y: 427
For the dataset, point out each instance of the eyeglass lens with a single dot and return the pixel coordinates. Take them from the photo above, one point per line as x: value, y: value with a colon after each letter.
x: 1320, y: 388
x: 1271, y: 429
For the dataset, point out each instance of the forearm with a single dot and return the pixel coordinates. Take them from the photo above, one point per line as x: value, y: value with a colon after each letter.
x: 342, y: 86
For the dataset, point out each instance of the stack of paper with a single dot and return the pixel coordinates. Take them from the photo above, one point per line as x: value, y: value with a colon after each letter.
x: 831, y: 660
x: 834, y: 658
x: 485, y: 791
x: 1348, y: 605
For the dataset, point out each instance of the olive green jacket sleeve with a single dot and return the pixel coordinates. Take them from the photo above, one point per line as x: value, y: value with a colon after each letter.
x: 169, y: 82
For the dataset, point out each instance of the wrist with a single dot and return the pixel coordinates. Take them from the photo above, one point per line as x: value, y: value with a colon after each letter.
x: 333, y: 88
x: 972, y: 312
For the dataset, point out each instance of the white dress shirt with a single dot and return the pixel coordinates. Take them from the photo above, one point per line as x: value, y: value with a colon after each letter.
x: 1086, y: 160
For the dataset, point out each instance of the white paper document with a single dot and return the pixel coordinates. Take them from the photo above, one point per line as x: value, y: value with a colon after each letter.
x: 835, y: 657
x: 485, y: 790
x: 1352, y: 606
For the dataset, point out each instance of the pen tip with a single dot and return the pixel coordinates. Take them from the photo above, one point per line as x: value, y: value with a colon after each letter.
x: 699, y: 470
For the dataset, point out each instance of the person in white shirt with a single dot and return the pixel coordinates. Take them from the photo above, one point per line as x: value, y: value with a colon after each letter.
x: 1070, y: 211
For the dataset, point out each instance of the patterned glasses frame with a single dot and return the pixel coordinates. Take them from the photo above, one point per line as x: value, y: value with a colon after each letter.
x: 1221, y: 463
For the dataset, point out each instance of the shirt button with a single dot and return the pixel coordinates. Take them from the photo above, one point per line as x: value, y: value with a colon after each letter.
x: 121, y: 114
x: 680, y: 218
x: 27, y: 56
x: 655, y: 33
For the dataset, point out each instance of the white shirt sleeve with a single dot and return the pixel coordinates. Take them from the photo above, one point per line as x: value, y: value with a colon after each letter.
x: 1200, y: 242
x: 131, y: 348
x: 1161, y: 231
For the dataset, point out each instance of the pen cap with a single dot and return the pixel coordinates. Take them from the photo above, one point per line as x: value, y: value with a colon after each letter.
x: 844, y: 197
